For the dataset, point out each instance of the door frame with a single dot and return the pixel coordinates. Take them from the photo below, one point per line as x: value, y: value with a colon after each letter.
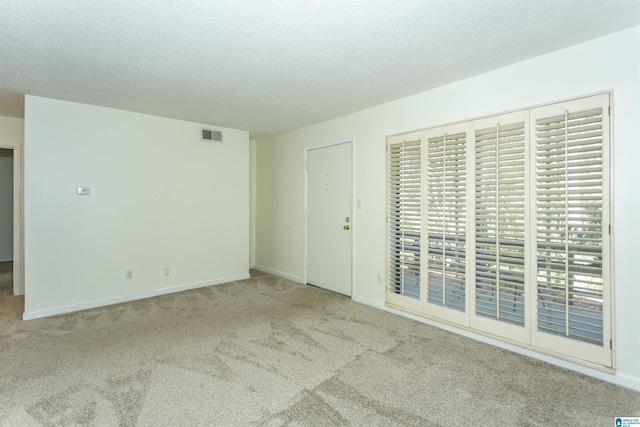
x: 18, y: 209
x: 351, y: 141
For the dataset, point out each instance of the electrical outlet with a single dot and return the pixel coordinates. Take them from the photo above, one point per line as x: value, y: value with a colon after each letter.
x: 379, y: 279
x: 167, y: 271
x: 129, y: 274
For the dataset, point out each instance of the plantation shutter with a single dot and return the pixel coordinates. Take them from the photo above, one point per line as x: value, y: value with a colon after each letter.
x: 446, y: 220
x: 500, y: 223
x: 518, y: 206
x: 404, y: 186
x: 571, y: 216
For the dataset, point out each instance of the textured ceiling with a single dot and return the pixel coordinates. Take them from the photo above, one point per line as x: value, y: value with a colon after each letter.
x: 270, y: 66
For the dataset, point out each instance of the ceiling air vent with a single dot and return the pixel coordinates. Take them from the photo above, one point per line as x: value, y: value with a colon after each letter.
x: 211, y: 135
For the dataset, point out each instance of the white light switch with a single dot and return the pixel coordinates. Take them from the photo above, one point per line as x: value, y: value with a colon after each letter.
x: 359, y: 203
x: 84, y: 191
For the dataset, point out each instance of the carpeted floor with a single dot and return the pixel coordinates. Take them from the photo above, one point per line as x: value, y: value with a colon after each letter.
x: 269, y: 352
x: 6, y: 278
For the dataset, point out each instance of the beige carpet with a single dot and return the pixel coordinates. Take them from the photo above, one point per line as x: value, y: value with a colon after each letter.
x: 269, y: 352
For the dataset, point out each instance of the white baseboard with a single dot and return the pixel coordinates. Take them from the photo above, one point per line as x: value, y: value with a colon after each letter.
x: 367, y: 301
x: 279, y: 273
x: 621, y: 380
x: 628, y: 382
x: 110, y: 301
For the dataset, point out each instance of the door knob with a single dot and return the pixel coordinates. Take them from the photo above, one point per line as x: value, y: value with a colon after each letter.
x: 346, y: 227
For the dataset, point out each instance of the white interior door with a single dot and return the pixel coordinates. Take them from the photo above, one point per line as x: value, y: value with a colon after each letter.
x: 329, y: 225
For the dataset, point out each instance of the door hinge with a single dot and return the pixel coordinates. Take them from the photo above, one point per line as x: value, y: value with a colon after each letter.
x: 610, y: 344
x: 609, y: 228
x: 306, y: 165
x: 609, y: 110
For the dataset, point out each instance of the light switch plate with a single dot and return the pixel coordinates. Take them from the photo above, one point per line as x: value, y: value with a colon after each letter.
x: 84, y: 191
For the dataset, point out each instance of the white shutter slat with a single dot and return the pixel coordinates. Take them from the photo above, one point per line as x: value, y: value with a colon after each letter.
x: 404, y: 217
x: 499, y: 223
x: 446, y: 218
x: 569, y: 185
x: 584, y: 117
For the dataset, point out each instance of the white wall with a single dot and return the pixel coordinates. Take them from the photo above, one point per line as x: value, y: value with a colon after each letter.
x: 11, y: 130
x: 6, y: 204
x: 160, y: 197
x: 611, y: 62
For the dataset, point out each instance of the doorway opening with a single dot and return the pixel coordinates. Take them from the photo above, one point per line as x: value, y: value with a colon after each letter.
x: 11, y: 265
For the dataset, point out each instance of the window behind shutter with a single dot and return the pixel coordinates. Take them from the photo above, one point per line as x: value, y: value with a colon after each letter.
x: 569, y: 223
x: 404, y: 186
x: 500, y: 223
x: 446, y: 220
